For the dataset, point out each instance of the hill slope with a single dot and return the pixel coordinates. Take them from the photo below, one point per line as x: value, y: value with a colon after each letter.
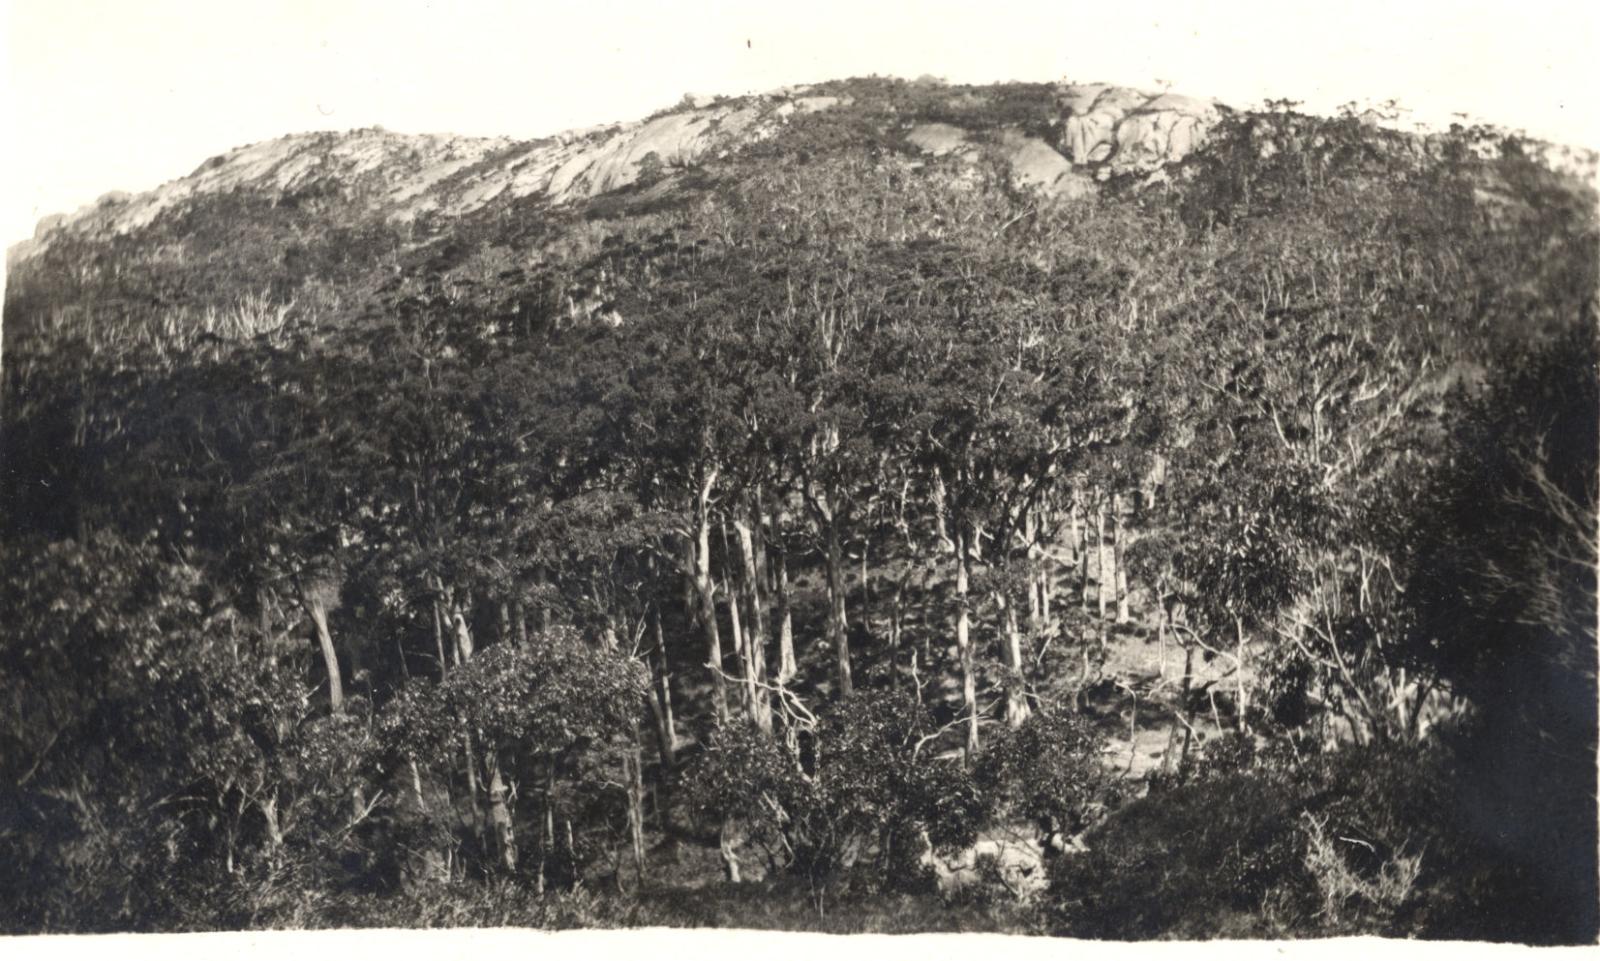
x: 827, y: 490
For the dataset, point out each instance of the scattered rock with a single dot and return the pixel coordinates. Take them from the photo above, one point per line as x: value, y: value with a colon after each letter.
x: 937, y: 139
x: 1036, y: 164
x: 1015, y: 861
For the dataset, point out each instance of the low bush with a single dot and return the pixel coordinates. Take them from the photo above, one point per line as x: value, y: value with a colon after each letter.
x: 1362, y: 841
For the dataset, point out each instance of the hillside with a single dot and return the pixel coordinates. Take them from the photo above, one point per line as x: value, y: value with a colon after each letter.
x: 875, y: 505
x: 1100, y: 130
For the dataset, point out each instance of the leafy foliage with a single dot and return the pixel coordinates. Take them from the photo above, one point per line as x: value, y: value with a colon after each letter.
x: 729, y: 503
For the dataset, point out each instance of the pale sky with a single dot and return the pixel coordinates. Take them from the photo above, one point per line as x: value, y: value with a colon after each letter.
x: 125, y: 94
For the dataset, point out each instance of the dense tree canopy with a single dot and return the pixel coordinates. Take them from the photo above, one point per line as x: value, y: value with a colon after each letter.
x: 822, y: 506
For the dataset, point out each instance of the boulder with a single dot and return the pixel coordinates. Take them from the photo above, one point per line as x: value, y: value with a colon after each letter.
x: 1119, y: 130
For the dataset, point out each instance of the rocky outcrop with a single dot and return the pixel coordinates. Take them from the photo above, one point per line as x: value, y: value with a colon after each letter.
x: 1013, y: 859
x: 402, y: 176
x: 1104, y: 131
x: 1031, y: 162
x: 1118, y: 130
x: 1036, y: 164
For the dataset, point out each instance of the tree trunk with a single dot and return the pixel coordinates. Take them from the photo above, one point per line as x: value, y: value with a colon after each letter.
x: 500, y: 813
x: 1161, y: 634
x: 730, y: 857
x: 269, y: 812
x: 969, y: 686
x: 1243, y: 689
x: 1105, y: 586
x: 756, y: 634
x: 438, y: 640
x: 464, y: 645
x: 544, y: 606
x: 1045, y: 614
x: 433, y: 860
x: 897, y: 612
x: 318, y: 611
x: 741, y: 645
x: 706, y: 592
x: 1080, y: 544
x: 633, y: 771
x: 472, y: 788
x: 866, y: 592
x: 661, y: 698
x: 1030, y: 536
x: 1074, y: 534
x: 547, y: 840
x: 1183, y: 705
x: 1016, y: 696
x: 786, y: 663
x: 1119, y: 555
x: 939, y: 510
x: 838, y: 628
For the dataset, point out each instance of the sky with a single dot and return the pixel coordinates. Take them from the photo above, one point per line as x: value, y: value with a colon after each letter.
x: 107, y: 95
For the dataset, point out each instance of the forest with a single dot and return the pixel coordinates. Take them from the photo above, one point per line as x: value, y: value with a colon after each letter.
x: 826, y: 537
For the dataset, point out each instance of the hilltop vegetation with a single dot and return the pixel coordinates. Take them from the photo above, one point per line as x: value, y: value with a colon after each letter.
x: 752, y: 542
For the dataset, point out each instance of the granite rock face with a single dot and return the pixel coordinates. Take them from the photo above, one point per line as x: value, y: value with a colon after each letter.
x: 1032, y: 163
x: 1101, y: 131
x: 1118, y: 130
x: 403, y: 176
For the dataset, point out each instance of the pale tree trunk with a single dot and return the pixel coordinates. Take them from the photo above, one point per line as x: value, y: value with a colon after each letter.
x: 1187, y: 725
x: 706, y: 592
x: 1045, y: 614
x: 786, y: 663
x: 1016, y: 697
x: 741, y: 646
x: 1074, y: 535
x: 434, y: 862
x: 969, y: 685
x: 838, y: 628
x: 464, y: 645
x: 500, y: 812
x: 730, y: 857
x: 756, y: 635
x: 897, y: 612
x: 1030, y: 536
x: 866, y: 591
x: 316, y: 608
x: 691, y: 589
x: 438, y: 640
x: 1243, y: 688
x: 473, y: 803
x: 661, y: 699
x: 1041, y: 582
x: 1105, y: 586
x: 1119, y: 556
x: 495, y: 801
x: 1080, y: 541
x: 633, y: 776
x: 1162, y: 617
x: 939, y: 498
x: 269, y: 812
x: 547, y: 840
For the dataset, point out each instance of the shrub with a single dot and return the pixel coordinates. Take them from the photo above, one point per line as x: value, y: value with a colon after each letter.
x: 1047, y: 771
x: 865, y: 812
